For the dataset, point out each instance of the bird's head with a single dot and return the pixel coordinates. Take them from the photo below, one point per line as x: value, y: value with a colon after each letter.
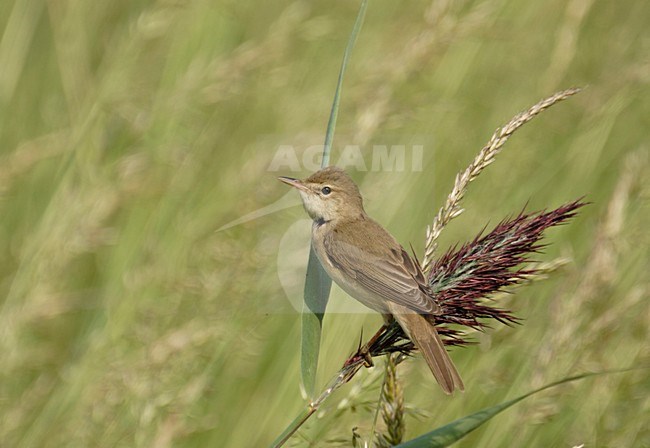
x: 328, y: 195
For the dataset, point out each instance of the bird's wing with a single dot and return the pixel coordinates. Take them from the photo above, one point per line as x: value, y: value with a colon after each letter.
x: 389, y: 272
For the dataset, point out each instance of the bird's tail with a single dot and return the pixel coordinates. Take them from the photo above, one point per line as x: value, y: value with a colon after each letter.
x: 427, y: 340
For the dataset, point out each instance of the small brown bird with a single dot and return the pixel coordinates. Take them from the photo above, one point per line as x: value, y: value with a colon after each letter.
x: 371, y: 266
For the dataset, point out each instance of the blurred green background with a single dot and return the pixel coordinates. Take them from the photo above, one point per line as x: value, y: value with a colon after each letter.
x: 131, y: 131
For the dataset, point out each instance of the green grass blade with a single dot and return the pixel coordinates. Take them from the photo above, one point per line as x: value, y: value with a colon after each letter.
x: 456, y: 430
x: 292, y: 428
x: 317, y: 292
x: 317, y: 283
x: 331, y: 124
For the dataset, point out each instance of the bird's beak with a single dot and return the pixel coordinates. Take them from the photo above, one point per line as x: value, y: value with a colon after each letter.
x: 297, y: 183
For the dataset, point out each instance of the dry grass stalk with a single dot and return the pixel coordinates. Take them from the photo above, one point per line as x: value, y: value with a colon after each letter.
x: 485, y: 157
x: 391, y: 405
x: 442, y: 25
x: 600, y: 274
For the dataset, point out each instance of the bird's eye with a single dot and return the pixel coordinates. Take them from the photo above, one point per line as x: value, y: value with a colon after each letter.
x: 326, y: 190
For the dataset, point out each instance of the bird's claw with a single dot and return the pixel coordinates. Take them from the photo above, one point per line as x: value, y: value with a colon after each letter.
x: 366, y: 356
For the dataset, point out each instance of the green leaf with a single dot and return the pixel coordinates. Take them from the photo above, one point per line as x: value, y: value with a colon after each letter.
x: 317, y: 292
x: 317, y: 283
x: 456, y: 430
x: 331, y: 124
